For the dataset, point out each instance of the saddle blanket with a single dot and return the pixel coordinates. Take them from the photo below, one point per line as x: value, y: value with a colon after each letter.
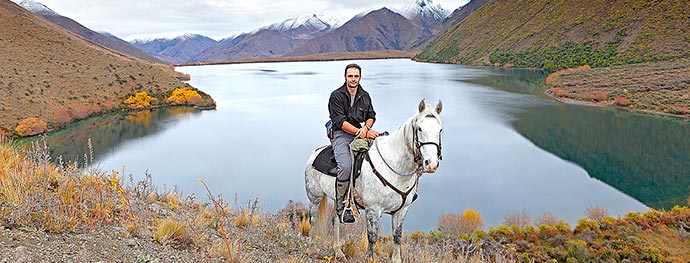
x: 325, y: 162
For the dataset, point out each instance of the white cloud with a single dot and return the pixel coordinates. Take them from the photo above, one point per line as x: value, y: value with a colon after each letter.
x: 130, y: 19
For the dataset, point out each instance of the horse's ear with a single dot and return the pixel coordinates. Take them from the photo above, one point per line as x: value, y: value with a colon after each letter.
x: 439, y: 107
x: 422, y: 105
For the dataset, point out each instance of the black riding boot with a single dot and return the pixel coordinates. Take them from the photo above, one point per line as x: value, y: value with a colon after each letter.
x: 341, y: 189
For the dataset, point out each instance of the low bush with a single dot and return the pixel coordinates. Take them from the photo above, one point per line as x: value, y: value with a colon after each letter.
x: 140, y: 100
x: 31, y: 126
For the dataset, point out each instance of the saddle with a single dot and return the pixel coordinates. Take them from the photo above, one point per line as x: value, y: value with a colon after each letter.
x: 325, y: 162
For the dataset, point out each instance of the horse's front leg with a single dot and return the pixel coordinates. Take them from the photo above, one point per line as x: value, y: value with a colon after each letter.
x: 373, y: 218
x: 397, y: 224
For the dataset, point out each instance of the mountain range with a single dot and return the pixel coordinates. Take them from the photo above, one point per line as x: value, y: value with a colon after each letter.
x: 381, y: 29
x: 177, y: 50
x: 404, y: 29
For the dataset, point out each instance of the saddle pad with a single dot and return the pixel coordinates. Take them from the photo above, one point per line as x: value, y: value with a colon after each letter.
x: 325, y: 162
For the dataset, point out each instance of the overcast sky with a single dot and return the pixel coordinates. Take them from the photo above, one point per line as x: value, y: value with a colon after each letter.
x: 132, y: 19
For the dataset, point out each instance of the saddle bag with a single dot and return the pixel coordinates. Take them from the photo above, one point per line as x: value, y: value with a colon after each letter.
x: 329, y: 129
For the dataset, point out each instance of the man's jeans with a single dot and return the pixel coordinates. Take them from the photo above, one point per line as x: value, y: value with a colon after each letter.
x: 343, y: 156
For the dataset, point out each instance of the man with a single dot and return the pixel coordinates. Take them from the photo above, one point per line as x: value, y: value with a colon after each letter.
x: 352, y: 114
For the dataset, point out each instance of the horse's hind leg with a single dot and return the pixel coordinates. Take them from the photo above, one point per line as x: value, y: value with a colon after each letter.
x: 314, y: 203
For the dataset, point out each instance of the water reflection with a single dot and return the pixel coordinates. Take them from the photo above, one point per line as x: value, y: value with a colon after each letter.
x: 647, y: 157
x: 108, y: 132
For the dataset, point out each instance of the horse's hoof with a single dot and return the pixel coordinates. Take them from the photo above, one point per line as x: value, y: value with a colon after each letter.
x: 339, y: 255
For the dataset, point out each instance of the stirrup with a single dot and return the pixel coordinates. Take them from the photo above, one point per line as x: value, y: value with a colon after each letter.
x: 348, y: 216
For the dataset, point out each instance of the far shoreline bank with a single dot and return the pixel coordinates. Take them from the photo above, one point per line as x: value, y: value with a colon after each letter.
x: 368, y: 55
x: 611, y: 106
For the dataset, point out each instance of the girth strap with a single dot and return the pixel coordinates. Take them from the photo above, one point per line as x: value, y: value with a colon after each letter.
x: 388, y: 184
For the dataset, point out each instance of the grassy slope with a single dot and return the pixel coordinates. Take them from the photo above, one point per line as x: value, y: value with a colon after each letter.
x: 46, y: 70
x: 636, y: 30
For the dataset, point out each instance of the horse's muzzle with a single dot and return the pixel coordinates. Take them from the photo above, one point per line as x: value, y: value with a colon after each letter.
x: 430, y: 166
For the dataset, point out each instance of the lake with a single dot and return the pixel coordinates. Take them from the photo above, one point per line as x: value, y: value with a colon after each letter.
x: 507, y: 148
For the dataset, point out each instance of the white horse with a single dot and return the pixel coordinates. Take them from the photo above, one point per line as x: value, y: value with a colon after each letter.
x: 389, y: 178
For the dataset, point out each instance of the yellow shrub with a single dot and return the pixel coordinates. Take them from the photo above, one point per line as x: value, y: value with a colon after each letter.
x: 140, y: 100
x: 185, y: 96
x: 173, y: 201
x: 170, y: 230
x: 31, y: 126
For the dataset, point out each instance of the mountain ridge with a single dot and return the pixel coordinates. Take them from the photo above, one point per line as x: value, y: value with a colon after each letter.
x: 55, y: 75
x: 117, y: 44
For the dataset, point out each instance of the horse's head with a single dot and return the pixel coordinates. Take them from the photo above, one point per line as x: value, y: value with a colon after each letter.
x: 427, y: 129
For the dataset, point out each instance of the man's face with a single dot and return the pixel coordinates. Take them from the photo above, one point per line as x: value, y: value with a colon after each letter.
x: 352, y: 77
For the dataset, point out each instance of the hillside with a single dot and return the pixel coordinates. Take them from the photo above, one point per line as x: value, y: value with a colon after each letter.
x: 564, y: 34
x: 107, y: 41
x: 52, y: 74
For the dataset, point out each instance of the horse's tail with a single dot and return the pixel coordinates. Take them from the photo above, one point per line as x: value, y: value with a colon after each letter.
x: 323, y: 207
x: 323, y: 226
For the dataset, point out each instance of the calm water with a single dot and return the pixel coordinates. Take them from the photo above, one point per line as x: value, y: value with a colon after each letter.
x: 507, y: 147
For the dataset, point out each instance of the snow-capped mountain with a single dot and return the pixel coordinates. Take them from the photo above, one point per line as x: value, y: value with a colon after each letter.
x: 425, y: 13
x: 37, y: 8
x: 307, y: 26
x: 311, y: 21
x: 426, y: 9
x: 176, y: 50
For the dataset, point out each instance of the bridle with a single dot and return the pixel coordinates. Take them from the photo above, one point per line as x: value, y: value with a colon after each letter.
x: 417, y: 151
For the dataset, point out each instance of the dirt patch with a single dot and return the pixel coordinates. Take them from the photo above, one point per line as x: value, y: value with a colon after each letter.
x: 106, y: 245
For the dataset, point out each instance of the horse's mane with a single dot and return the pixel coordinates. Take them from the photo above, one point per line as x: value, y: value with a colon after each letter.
x: 427, y: 112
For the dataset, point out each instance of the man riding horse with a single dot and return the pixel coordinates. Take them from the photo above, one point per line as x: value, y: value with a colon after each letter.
x: 352, y: 116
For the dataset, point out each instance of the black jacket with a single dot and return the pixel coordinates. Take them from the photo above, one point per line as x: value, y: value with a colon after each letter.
x: 339, y: 107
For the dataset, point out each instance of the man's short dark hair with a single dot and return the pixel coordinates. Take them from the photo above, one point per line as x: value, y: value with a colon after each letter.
x: 353, y: 65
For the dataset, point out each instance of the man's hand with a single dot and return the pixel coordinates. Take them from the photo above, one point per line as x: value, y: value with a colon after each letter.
x: 372, y: 134
x: 362, y: 133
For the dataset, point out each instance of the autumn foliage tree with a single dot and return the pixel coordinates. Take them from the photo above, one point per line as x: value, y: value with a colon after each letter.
x: 140, y: 100
x: 456, y: 225
x: 187, y: 96
x: 31, y: 126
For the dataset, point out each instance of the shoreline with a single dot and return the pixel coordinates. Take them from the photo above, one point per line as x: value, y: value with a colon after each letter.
x: 610, y: 106
x: 367, y: 55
